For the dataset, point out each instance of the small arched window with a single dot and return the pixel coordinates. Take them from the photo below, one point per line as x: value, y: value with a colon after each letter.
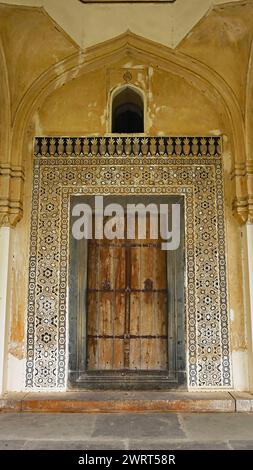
x: 127, y: 111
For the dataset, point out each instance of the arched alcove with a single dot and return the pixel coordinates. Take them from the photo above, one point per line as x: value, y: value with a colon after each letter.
x: 127, y: 111
x: 161, y: 56
x: 173, y: 63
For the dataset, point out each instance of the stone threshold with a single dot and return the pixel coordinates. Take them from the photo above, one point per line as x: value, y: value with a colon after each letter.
x: 124, y: 402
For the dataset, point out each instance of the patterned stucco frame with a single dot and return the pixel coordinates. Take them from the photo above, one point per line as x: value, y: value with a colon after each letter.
x: 129, y: 165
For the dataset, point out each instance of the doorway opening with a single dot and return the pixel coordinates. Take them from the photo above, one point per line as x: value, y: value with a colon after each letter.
x: 126, y: 305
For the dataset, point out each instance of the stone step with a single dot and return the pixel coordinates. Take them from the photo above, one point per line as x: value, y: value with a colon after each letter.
x: 117, y: 401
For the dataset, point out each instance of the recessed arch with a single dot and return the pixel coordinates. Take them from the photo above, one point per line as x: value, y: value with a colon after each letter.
x: 127, y: 110
x: 132, y: 46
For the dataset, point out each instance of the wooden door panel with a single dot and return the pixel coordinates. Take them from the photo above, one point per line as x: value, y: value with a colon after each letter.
x: 106, y: 313
x: 145, y: 354
x: 136, y: 267
x: 147, y: 312
x: 161, y: 353
x: 147, y: 268
x: 127, y: 305
x: 160, y: 277
x: 161, y: 316
x: 92, y: 353
x: 92, y: 324
x: 106, y: 267
x: 118, y: 354
x: 135, y: 354
x: 119, y: 255
x: 148, y: 262
x: 93, y: 260
x: 105, y: 353
x: 135, y: 312
x: 119, y: 314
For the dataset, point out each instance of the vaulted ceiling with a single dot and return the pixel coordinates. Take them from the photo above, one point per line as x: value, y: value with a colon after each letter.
x: 88, y: 24
x: 221, y: 38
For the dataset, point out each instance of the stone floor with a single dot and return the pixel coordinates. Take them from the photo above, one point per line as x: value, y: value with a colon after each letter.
x: 143, y: 431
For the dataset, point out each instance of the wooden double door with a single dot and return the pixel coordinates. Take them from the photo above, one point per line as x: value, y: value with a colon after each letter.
x: 126, y: 313
x: 127, y: 305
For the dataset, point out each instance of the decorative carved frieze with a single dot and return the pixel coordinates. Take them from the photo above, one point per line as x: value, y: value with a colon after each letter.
x: 127, y: 146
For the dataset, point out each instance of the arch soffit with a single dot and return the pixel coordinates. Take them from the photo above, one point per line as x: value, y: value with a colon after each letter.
x: 5, y: 111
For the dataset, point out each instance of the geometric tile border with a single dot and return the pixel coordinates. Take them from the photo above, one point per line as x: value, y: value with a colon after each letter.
x: 188, y: 166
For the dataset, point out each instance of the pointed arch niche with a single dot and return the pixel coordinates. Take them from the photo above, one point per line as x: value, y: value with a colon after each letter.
x: 127, y: 110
